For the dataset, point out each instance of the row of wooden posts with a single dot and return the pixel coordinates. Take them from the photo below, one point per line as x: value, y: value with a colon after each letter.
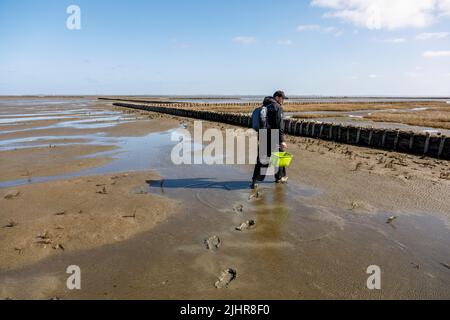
x: 437, y: 146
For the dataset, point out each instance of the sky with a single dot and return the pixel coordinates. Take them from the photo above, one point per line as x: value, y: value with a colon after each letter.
x: 226, y: 47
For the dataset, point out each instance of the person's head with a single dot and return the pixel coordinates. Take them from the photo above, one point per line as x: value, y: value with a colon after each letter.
x: 279, y: 96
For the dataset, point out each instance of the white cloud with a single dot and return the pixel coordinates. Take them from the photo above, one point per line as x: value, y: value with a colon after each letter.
x: 244, y: 40
x: 386, y: 14
x: 285, y: 42
x: 432, y: 35
x: 444, y: 7
x: 395, y: 40
x: 308, y: 27
x: 436, y: 54
x: 314, y: 27
x: 329, y: 29
x: 373, y: 76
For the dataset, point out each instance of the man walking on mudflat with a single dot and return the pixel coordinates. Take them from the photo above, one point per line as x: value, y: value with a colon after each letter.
x: 274, y: 122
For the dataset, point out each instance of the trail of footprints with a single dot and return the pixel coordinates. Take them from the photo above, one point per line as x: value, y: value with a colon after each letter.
x: 213, y: 244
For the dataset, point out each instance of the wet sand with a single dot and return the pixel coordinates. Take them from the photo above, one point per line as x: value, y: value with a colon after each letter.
x: 76, y: 214
x: 143, y: 236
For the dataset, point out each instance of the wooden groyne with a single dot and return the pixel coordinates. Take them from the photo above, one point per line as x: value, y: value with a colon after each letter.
x: 436, y: 146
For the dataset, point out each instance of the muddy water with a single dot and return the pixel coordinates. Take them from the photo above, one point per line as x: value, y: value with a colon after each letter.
x: 294, y: 250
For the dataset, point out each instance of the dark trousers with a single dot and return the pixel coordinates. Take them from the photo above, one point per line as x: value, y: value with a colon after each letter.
x: 258, y: 175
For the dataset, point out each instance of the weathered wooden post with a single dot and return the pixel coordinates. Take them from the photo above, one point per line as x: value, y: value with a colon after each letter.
x: 288, y: 126
x: 411, y: 142
x: 427, y: 144
x: 297, y: 128
x: 358, y: 135
x: 396, y: 140
x: 441, y: 146
x: 446, y: 152
x: 292, y: 129
x: 370, y: 137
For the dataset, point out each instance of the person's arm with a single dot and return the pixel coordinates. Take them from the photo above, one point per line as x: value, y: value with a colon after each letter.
x: 280, y: 123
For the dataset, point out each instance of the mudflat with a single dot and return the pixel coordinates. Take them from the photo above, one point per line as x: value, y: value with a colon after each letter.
x: 96, y: 188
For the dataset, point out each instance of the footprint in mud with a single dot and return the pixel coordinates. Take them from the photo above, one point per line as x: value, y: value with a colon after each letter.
x: 226, y: 278
x: 213, y: 243
x: 12, y: 194
x: 445, y: 265
x: 391, y: 219
x: 256, y: 195
x: 103, y: 191
x: 10, y: 224
x: 246, y: 225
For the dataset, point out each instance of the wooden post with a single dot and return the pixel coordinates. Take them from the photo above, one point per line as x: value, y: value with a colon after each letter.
x: 297, y: 128
x: 290, y: 122
x: 396, y: 140
x: 441, y: 146
x: 358, y: 136
x: 427, y: 144
x: 411, y: 142
x: 370, y: 137
x: 321, y: 131
x: 383, y: 139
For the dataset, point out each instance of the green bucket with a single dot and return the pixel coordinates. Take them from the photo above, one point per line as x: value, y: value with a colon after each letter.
x: 281, y: 159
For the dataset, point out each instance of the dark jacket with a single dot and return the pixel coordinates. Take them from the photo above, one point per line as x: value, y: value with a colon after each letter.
x: 275, y: 116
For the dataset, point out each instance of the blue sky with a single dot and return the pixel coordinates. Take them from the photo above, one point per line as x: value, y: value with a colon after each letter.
x: 325, y: 47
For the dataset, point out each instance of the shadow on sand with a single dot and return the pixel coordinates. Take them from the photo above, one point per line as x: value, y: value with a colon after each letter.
x: 199, y: 183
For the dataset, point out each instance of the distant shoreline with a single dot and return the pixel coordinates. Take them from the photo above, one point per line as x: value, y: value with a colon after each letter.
x: 231, y: 97
x: 242, y: 99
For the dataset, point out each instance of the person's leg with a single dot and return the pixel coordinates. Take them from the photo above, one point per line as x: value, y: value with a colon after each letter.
x: 257, y: 171
x: 258, y: 176
x: 281, y: 175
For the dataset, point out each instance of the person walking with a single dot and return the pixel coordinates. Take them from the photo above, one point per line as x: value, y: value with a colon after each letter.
x: 274, y: 122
